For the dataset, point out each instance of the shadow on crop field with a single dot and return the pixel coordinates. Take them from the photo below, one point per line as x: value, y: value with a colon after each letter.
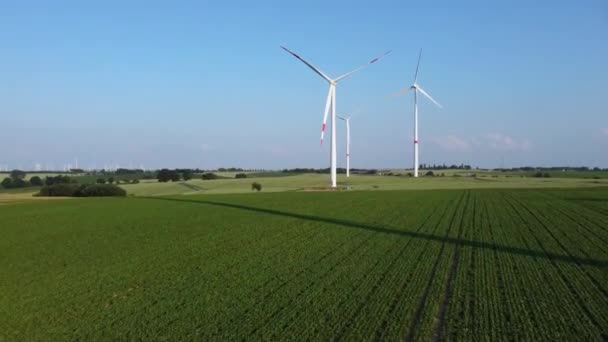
x: 415, y: 235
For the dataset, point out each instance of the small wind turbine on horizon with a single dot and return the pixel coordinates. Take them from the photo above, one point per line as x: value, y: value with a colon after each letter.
x: 417, y: 89
x: 330, y: 105
x: 347, y: 120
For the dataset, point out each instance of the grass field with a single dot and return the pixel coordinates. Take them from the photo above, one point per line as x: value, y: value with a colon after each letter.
x: 354, y: 265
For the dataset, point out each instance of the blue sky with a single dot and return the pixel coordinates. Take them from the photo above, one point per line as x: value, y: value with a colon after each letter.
x: 205, y: 84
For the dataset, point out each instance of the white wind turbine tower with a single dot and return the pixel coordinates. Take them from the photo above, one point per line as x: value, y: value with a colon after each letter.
x: 417, y: 89
x: 347, y: 120
x: 330, y: 105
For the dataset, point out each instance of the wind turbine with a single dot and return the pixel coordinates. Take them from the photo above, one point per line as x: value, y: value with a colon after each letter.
x: 347, y: 120
x: 417, y: 89
x: 330, y: 105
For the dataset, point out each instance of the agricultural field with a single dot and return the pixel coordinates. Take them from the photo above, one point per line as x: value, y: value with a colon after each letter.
x: 313, y: 182
x: 461, y: 264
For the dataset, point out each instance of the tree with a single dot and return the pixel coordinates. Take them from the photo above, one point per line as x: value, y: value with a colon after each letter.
x: 101, y: 181
x: 36, y: 181
x: 20, y: 183
x: 17, y: 174
x: 111, y: 180
x: 59, y: 179
x: 7, y: 183
x: 187, y: 174
x: 240, y: 175
x: 163, y: 175
x: 429, y: 173
x: 209, y: 176
x: 174, y: 176
x: 256, y: 186
x: 166, y: 175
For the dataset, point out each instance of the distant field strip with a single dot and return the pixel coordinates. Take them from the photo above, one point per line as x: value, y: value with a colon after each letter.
x: 191, y: 186
x: 383, y: 265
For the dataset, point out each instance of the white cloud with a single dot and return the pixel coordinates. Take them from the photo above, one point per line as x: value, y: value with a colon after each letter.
x: 275, y: 151
x: 451, y: 143
x: 499, y: 141
x: 491, y: 141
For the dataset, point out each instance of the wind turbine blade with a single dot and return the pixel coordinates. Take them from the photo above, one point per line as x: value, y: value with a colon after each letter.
x: 429, y: 96
x: 341, y: 118
x: 363, y: 66
x: 314, y: 68
x: 403, y: 92
x: 327, y: 106
x: 417, y: 66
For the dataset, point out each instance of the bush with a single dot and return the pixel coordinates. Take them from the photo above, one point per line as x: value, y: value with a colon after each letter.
x: 240, y: 175
x: 429, y: 173
x: 101, y: 190
x: 36, y: 181
x: 187, y: 175
x: 101, y: 181
x: 135, y: 181
x: 542, y: 175
x: 209, y: 176
x: 61, y: 189
x: 111, y: 180
x: 256, y: 186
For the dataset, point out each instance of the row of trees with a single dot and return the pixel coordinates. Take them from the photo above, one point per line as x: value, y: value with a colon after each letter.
x: 552, y: 168
x: 111, y: 180
x: 16, y: 179
x: 82, y: 190
x: 166, y: 175
x: 445, y: 167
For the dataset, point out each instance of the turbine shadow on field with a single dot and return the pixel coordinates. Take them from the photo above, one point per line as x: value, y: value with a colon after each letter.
x: 394, y: 231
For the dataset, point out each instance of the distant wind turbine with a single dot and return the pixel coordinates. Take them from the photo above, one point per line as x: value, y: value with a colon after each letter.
x: 417, y: 89
x: 347, y: 120
x: 330, y: 105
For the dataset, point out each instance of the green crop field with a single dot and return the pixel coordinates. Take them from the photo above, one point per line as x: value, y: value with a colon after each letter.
x: 468, y: 264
